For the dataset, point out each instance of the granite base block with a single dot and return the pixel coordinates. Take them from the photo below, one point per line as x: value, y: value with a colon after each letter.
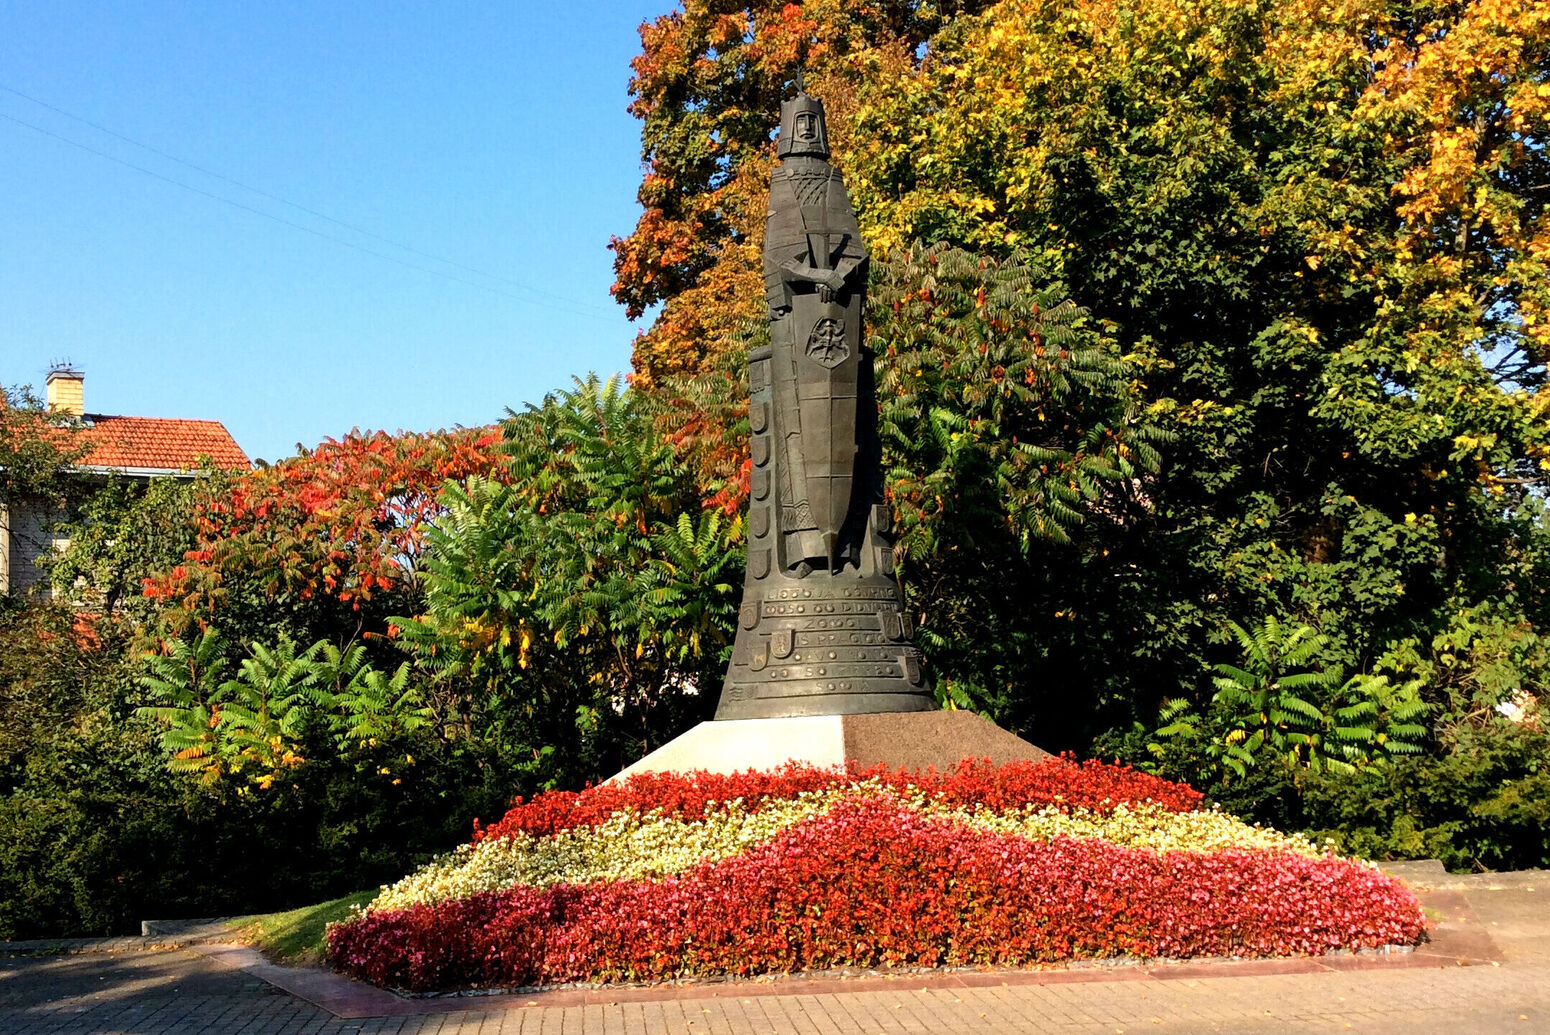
x: 899, y: 740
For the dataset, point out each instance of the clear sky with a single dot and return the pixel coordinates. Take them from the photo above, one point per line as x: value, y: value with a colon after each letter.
x: 411, y: 206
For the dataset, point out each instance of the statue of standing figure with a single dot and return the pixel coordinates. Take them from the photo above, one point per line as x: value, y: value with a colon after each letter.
x: 822, y: 628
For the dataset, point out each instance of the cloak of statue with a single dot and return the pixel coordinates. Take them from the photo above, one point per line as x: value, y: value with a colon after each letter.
x: 822, y: 629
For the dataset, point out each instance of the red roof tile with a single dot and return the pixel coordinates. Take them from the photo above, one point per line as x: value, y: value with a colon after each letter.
x: 157, y: 443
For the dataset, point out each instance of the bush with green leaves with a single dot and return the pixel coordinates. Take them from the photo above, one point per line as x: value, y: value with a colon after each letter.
x: 97, y: 833
x: 253, y: 724
x: 1380, y: 768
x: 580, y: 614
x: 1483, y: 803
x: 1283, y: 705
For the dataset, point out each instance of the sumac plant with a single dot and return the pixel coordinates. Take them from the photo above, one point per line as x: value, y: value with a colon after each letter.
x: 345, y: 520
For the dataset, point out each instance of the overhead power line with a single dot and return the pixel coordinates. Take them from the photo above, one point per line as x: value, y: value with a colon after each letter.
x: 537, y: 296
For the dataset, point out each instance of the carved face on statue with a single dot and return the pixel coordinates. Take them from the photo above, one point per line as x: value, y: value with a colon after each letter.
x: 807, y: 129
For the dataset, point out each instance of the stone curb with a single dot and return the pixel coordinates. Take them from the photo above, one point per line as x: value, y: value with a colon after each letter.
x: 155, y: 936
x: 1519, y: 880
x: 87, y: 946
x: 348, y: 999
x: 204, y: 927
x: 1429, y: 874
x: 1457, y: 940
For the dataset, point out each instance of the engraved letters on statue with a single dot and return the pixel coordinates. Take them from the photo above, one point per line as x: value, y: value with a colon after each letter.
x: 821, y: 630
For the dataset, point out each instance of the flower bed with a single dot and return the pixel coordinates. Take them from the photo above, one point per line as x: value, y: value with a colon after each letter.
x: 802, y: 869
x: 1058, y: 781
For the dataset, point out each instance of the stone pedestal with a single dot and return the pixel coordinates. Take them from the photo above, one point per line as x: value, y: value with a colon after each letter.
x: 907, y: 740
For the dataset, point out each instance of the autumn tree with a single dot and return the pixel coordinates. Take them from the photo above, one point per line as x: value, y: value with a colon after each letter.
x: 706, y: 84
x: 343, y: 522
x: 36, y: 447
x: 1315, y: 233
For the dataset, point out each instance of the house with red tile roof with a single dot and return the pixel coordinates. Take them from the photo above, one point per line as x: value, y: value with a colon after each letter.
x: 138, y: 448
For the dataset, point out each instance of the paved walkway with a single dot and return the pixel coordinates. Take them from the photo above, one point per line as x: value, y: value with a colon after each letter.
x: 212, y: 988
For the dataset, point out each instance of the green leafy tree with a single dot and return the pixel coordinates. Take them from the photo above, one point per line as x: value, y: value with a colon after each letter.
x: 1000, y: 399
x: 1009, y: 422
x: 37, y: 448
x: 96, y: 833
x: 1483, y: 803
x: 263, y: 711
x: 255, y: 727
x: 186, y: 682
x: 686, y: 597
x: 125, y: 533
x: 1274, y: 697
x: 370, y: 706
x: 580, y: 612
x: 1315, y: 236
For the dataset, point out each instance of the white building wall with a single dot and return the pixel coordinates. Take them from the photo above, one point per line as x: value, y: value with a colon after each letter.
x: 27, y: 537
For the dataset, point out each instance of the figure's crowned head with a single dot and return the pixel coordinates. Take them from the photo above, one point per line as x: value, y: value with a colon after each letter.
x: 802, y: 129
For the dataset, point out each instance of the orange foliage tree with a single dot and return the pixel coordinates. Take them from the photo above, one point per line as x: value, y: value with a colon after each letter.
x: 344, y: 520
x: 1315, y: 232
x: 705, y: 85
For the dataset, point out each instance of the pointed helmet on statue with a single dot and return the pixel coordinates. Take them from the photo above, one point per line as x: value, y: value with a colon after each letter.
x: 802, y: 129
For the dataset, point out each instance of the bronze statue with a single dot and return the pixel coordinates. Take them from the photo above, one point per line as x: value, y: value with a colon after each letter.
x: 822, y: 628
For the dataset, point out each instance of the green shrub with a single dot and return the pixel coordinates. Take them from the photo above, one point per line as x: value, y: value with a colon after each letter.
x: 1484, y: 804
x: 96, y: 834
x: 1479, y: 802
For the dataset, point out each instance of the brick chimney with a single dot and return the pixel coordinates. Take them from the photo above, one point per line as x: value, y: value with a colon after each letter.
x: 66, y: 390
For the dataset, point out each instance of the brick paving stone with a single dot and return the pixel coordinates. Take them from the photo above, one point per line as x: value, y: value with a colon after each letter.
x: 728, y: 1017
x: 741, y: 1022
x: 828, y: 1013
x: 91, y: 990
x: 910, y: 1013
x: 788, y: 1008
x: 744, y: 1019
x: 853, y: 1008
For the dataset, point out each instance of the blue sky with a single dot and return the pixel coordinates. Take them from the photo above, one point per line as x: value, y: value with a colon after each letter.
x: 474, y: 159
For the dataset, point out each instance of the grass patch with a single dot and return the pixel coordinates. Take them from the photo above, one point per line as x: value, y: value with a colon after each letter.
x: 296, y: 935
